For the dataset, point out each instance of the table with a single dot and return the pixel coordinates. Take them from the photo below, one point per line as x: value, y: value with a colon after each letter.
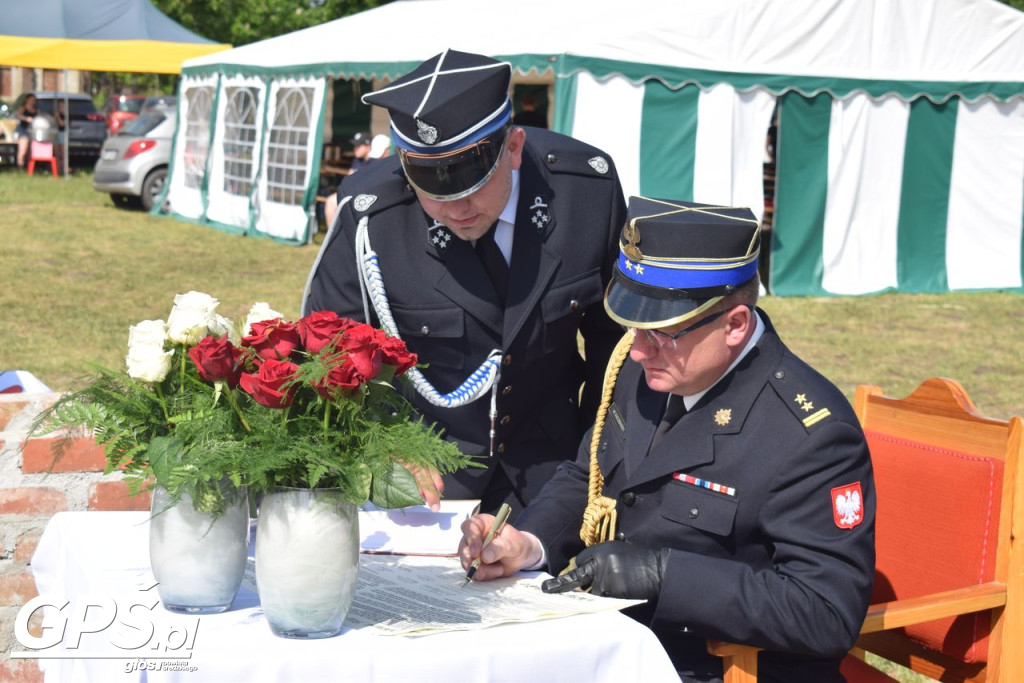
x: 83, y: 556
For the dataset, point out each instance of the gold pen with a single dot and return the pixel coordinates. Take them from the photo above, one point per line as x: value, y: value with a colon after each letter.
x: 499, y: 522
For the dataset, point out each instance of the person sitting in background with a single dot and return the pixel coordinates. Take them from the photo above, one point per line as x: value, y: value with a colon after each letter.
x: 729, y: 484
x: 364, y: 151
x: 528, y: 115
x: 27, y: 113
x: 360, y: 151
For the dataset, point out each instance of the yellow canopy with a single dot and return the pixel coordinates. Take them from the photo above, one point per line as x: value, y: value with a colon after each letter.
x: 99, y: 35
x: 144, y: 56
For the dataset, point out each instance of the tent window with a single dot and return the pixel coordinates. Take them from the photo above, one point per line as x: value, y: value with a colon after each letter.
x: 240, y: 139
x: 197, y: 135
x: 288, y: 146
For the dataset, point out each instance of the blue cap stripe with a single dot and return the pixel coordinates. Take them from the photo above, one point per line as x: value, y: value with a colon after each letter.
x: 500, y: 121
x: 686, y: 276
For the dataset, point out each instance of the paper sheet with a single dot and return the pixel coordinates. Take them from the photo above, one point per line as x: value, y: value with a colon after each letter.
x: 414, y: 530
x: 401, y: 595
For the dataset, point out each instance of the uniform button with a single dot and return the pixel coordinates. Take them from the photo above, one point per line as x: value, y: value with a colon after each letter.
x: 779, y: 374
x: 425, y: 330
x: 620, y: 536
x: 501, y: 448
x: 694, y: 512
x: 507, y: 360
x: 507, y: 390
x: 505, y: 420
x: 629, y: 498
x: 574, y: 305
x: 552, y: 158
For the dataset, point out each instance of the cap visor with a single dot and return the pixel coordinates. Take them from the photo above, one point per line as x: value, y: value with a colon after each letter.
x: 643, y: 307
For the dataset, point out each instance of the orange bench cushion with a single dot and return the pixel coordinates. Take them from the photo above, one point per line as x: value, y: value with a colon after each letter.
x: 937, y: 538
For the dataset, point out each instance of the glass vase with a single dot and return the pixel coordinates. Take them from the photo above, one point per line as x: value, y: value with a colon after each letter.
x: 307, y: 559
x: 198, y: 559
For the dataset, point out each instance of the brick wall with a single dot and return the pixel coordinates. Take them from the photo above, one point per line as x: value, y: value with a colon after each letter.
x: 32, y: 489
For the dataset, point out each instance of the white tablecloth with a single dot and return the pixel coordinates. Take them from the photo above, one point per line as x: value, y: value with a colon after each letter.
x: 107, y: 554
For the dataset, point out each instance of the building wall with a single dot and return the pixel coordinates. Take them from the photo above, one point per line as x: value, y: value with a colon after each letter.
x: 32, y: 489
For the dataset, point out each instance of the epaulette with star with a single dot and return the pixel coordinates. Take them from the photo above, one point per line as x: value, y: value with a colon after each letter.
x: 804, y: 404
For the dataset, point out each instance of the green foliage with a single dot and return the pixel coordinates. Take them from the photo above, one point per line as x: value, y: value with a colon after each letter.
x: 178, y: 422
x: 239, y: 22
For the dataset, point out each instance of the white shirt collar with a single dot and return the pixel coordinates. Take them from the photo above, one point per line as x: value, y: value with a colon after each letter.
x: 507, y: 220
x: 759, y: 328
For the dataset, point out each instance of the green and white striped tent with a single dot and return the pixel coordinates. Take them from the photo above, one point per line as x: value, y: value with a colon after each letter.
x: 901, y: 137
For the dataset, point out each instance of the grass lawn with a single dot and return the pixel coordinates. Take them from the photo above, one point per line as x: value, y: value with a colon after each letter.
x: 77, y: 272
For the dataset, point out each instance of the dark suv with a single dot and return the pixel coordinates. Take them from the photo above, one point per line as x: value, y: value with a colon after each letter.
x: 87, y: 129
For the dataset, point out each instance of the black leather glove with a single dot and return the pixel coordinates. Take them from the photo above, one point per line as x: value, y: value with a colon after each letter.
x: 614, y: 569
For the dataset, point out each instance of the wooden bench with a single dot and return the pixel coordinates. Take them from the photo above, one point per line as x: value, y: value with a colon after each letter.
x: 949, y: 576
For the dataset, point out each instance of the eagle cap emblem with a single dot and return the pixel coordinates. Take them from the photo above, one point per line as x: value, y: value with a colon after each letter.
x: 631, y: 234
x: 427, y: 132
x: 848, y: 505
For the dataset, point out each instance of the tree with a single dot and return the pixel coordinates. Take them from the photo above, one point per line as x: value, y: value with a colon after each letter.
x: 239, y: 22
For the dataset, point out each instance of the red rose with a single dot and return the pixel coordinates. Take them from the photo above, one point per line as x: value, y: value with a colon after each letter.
x: 361, y: 345
x: 216, y: 358
x: 320, y: 328
x: 395, y: 352
x: 273, y: 339
x: 340, y: 381
x: 267, y: 385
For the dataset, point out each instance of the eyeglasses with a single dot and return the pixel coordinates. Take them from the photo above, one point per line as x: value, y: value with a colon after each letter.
x: 662, y: 340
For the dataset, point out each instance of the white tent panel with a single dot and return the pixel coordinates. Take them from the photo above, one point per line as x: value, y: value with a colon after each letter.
x: 983, y: 232
x: 294, y: 110
x: 674, y: 40
x: 865, y: 160
x: 236, y: 144
x: 729, y: 156
x: 191, y: 146
x: 617, y: 131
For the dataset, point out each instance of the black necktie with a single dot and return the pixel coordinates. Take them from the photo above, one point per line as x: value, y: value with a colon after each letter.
x: 494, y: 262
x: 674, y: 409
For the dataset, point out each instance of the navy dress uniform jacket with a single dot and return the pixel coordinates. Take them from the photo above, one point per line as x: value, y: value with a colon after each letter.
x: 569, y: 215
x: 769, y: 565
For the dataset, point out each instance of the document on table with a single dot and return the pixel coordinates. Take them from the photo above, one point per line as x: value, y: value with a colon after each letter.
x: 402, y: 595
x: 414, y: 530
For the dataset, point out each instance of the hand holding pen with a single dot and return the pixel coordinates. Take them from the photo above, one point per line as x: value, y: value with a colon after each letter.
x: 496, y: 526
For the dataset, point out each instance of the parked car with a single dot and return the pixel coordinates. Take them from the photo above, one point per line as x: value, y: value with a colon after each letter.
x: 86, y: 128
x: 169, y: 101
x: 133, y: 164
x: 121, y: 109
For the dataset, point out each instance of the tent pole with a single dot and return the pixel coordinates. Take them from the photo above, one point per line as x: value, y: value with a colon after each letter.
x: 67, y: 123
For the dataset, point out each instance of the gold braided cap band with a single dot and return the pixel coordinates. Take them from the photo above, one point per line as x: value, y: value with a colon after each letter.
x: 599, y: 518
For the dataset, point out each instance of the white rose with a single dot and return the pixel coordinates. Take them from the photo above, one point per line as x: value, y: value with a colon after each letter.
x: 151, y: 333
x: 190, y: 317
x: 222, y: 326
x: 259, y: 312
x: 148, y: 363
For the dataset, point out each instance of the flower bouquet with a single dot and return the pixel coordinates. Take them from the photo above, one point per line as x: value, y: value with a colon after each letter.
x: 203, y: 413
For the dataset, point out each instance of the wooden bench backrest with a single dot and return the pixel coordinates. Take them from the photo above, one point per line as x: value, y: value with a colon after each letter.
x: 946, y: 478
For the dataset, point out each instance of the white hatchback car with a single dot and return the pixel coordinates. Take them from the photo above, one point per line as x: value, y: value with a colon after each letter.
x: 133, y: 164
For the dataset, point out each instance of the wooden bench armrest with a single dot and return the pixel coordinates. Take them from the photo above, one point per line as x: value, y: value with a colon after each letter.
x: 739, y: 662
x: 898, y: 613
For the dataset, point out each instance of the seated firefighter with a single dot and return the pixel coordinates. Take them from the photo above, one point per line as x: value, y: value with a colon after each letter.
x: 731, y: 483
